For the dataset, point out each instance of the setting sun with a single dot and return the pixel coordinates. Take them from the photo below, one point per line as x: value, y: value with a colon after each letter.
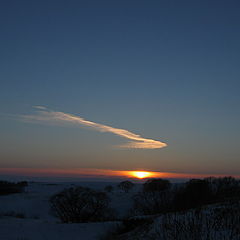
x: 141, y: 174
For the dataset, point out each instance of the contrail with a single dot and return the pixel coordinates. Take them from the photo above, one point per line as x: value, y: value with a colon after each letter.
x: 45, y: 115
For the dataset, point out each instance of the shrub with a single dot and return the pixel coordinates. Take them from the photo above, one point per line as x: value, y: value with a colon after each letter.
x: 147, y: 203
x: 158, y: 196
x: 198, y: 192
x: 127, y: 229
x: 12, y: 214
x: 219, y: 224
x: 224, y: 188
x: 23, y: 183
x: 154, y: 198
x: 10, y: 187
x: 81, y: 204
x: 108, y: 188
x: 126, y: 186
x: 195, y: 193
x: 158, y: 184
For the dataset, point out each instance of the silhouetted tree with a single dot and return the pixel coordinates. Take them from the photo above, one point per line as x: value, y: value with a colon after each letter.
x: 10, y: 187
x: 108, y: 188
x: 158, y: 184
x: 81, y: 204
x: 126, y: 186
x: 224, y: 188
x: 23, y: 183
x: 146, y: 203
x: 158, y: 196
x: 196, y: 192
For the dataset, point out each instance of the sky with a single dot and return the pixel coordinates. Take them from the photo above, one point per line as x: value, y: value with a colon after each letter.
x: 120, y: 85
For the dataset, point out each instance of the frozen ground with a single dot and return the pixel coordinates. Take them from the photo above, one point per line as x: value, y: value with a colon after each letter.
x: 31, y: 229
x: 26, y: 216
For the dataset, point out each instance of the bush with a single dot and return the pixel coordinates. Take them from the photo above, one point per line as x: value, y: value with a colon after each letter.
x: 127, y: 229
x: 108, y: 188
x: 154, y: 198
x: 12, y: 214
x: 220, y: 222
x: 126, y: 186
x: 224, y: 188
x: 217, y: 224
x: 159, y: 197
x: 81, y: 204
x: 158, y: 184
x: 23, y: 183
x: 195, y: 193
x: 147, y: 203
x: 198, y: 192
x: 10, y: 187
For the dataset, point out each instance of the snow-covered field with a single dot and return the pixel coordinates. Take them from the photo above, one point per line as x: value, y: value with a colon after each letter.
x: 31, y: 229
x: 26, y: 216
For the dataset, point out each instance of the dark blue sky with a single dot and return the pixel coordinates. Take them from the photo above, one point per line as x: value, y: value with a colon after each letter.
x: 167, y: 70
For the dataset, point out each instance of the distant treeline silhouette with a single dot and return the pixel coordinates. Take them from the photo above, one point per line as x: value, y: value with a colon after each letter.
x: 200, y: 209
x: 11, y: 187
x: 157, y: 196
x: 160, y: 196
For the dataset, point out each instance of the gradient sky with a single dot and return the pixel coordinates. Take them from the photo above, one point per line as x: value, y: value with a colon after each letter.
x: 165, y: 70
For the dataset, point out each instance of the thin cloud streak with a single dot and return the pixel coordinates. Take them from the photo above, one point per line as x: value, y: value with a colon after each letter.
x: 45, y: 115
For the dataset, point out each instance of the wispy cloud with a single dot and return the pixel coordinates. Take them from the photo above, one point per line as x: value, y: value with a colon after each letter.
x: 44, y: 115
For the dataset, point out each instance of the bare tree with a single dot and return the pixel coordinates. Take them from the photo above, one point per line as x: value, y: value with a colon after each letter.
x: 108, y: 188
x: 126, y: 186
x: 156, y: 184
x: 80, y: 205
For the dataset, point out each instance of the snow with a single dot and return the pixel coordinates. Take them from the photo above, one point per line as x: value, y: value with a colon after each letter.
x: 26, y: 216
x: 25, y: 229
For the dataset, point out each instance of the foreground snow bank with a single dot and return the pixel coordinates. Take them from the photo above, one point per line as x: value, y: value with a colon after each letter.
x: 26, y: 229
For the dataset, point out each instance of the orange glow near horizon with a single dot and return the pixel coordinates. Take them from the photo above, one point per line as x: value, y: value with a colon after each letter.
x: 140, y: 174
x: 100, y: 173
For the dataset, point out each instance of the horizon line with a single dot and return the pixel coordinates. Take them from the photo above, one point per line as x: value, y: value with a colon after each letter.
x: 101, y: 173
